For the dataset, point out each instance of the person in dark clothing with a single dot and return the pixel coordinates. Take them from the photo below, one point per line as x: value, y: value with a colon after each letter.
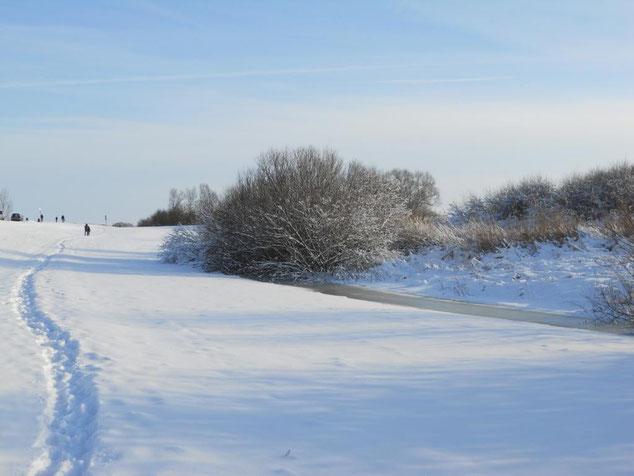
x: 55, y: 219
x: 63, y: 219
x: 87, y: 230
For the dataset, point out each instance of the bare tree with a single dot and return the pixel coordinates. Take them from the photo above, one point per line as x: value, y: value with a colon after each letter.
x: 190, y: 197
x: 6, y: 205
x: 207, y: 200
x: 184, y: 207
x: 175, y: 199
x: 418, y: 189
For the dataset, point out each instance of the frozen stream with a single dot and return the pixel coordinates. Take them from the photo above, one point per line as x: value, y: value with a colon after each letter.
x: 465, y: 308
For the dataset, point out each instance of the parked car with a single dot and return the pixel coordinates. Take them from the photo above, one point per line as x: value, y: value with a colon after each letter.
x: 16, y: 217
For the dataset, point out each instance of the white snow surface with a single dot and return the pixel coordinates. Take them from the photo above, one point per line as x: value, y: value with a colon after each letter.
x: 115, y: 364
x: 547, y: 277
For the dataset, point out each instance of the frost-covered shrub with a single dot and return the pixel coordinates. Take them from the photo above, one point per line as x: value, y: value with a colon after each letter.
x: 595, y: 194
x: 303, y: 211
x: 184, y: 245
x: 471, y: 208
x: 417, y: 189
x: 614, y: 301
x: 511, y: 202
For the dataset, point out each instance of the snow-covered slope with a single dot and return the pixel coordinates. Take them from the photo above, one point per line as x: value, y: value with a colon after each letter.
x: 547, y: 277
x: 123, y: 365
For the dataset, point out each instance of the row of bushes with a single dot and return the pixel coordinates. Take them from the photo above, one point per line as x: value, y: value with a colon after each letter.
x: 185, y: 207
x: 590, y: 196
x: 305, y: 211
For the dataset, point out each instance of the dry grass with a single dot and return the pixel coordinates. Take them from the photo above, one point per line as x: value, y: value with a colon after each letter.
x: 489, y: 236
x: 553, y: 227
x: 620, y: 223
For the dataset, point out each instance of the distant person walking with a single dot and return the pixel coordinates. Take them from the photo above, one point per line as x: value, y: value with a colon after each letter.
x: 86, y: 230
x: 63, y: 219
x: 55, y: 219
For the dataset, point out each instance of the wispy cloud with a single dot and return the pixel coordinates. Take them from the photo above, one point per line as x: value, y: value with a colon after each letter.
x: 445, y: 80
x: 188, y: 77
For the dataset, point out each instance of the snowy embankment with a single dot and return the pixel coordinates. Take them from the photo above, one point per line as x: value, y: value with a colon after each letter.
x: 547, y: 277
x: 161, y: 369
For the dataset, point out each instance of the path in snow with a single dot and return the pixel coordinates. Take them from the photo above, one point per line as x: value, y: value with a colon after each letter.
x: 68, y: 438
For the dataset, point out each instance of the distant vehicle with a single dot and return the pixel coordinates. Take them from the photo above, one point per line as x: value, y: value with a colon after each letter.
x: 16, y: 217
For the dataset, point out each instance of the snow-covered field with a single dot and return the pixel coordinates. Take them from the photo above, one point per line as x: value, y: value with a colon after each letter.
x: 112, y: 363
x: 548, y: 277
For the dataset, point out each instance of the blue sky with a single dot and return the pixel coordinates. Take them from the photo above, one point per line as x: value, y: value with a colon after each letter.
x: 105, y: 105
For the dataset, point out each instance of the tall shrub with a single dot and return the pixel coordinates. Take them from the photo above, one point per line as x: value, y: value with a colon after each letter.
x: 303, y: 211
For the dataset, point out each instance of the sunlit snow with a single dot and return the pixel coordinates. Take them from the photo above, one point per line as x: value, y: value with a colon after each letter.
x: 113, y: 363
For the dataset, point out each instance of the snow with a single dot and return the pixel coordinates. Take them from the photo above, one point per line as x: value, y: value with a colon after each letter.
x: 548, y: 277
x: 113, y: 363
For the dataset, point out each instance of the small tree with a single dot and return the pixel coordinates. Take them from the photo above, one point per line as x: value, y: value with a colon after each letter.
x: 6, y: 205
x: 184, y: 207
x: 208, y: 200
x: 417, y: 189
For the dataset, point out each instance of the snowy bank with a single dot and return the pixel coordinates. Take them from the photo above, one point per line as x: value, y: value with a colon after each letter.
x: 547, y: 277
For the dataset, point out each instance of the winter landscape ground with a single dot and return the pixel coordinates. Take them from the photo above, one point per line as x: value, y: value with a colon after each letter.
x: 113, y: 363
x: 546, y: 276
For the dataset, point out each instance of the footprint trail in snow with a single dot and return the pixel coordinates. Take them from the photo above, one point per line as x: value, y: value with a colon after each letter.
x: 70, y: 420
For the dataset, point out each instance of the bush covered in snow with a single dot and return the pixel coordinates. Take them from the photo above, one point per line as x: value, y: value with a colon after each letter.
x: 305, y: 211
x: 590, y: 196
x: 184, y: 245
x: 595, y: 194
x: 511, y: 202
x: 614, y: 300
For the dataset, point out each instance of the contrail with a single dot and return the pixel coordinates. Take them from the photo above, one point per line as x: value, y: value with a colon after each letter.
x: 187, y: 77
x: 444, y: 80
